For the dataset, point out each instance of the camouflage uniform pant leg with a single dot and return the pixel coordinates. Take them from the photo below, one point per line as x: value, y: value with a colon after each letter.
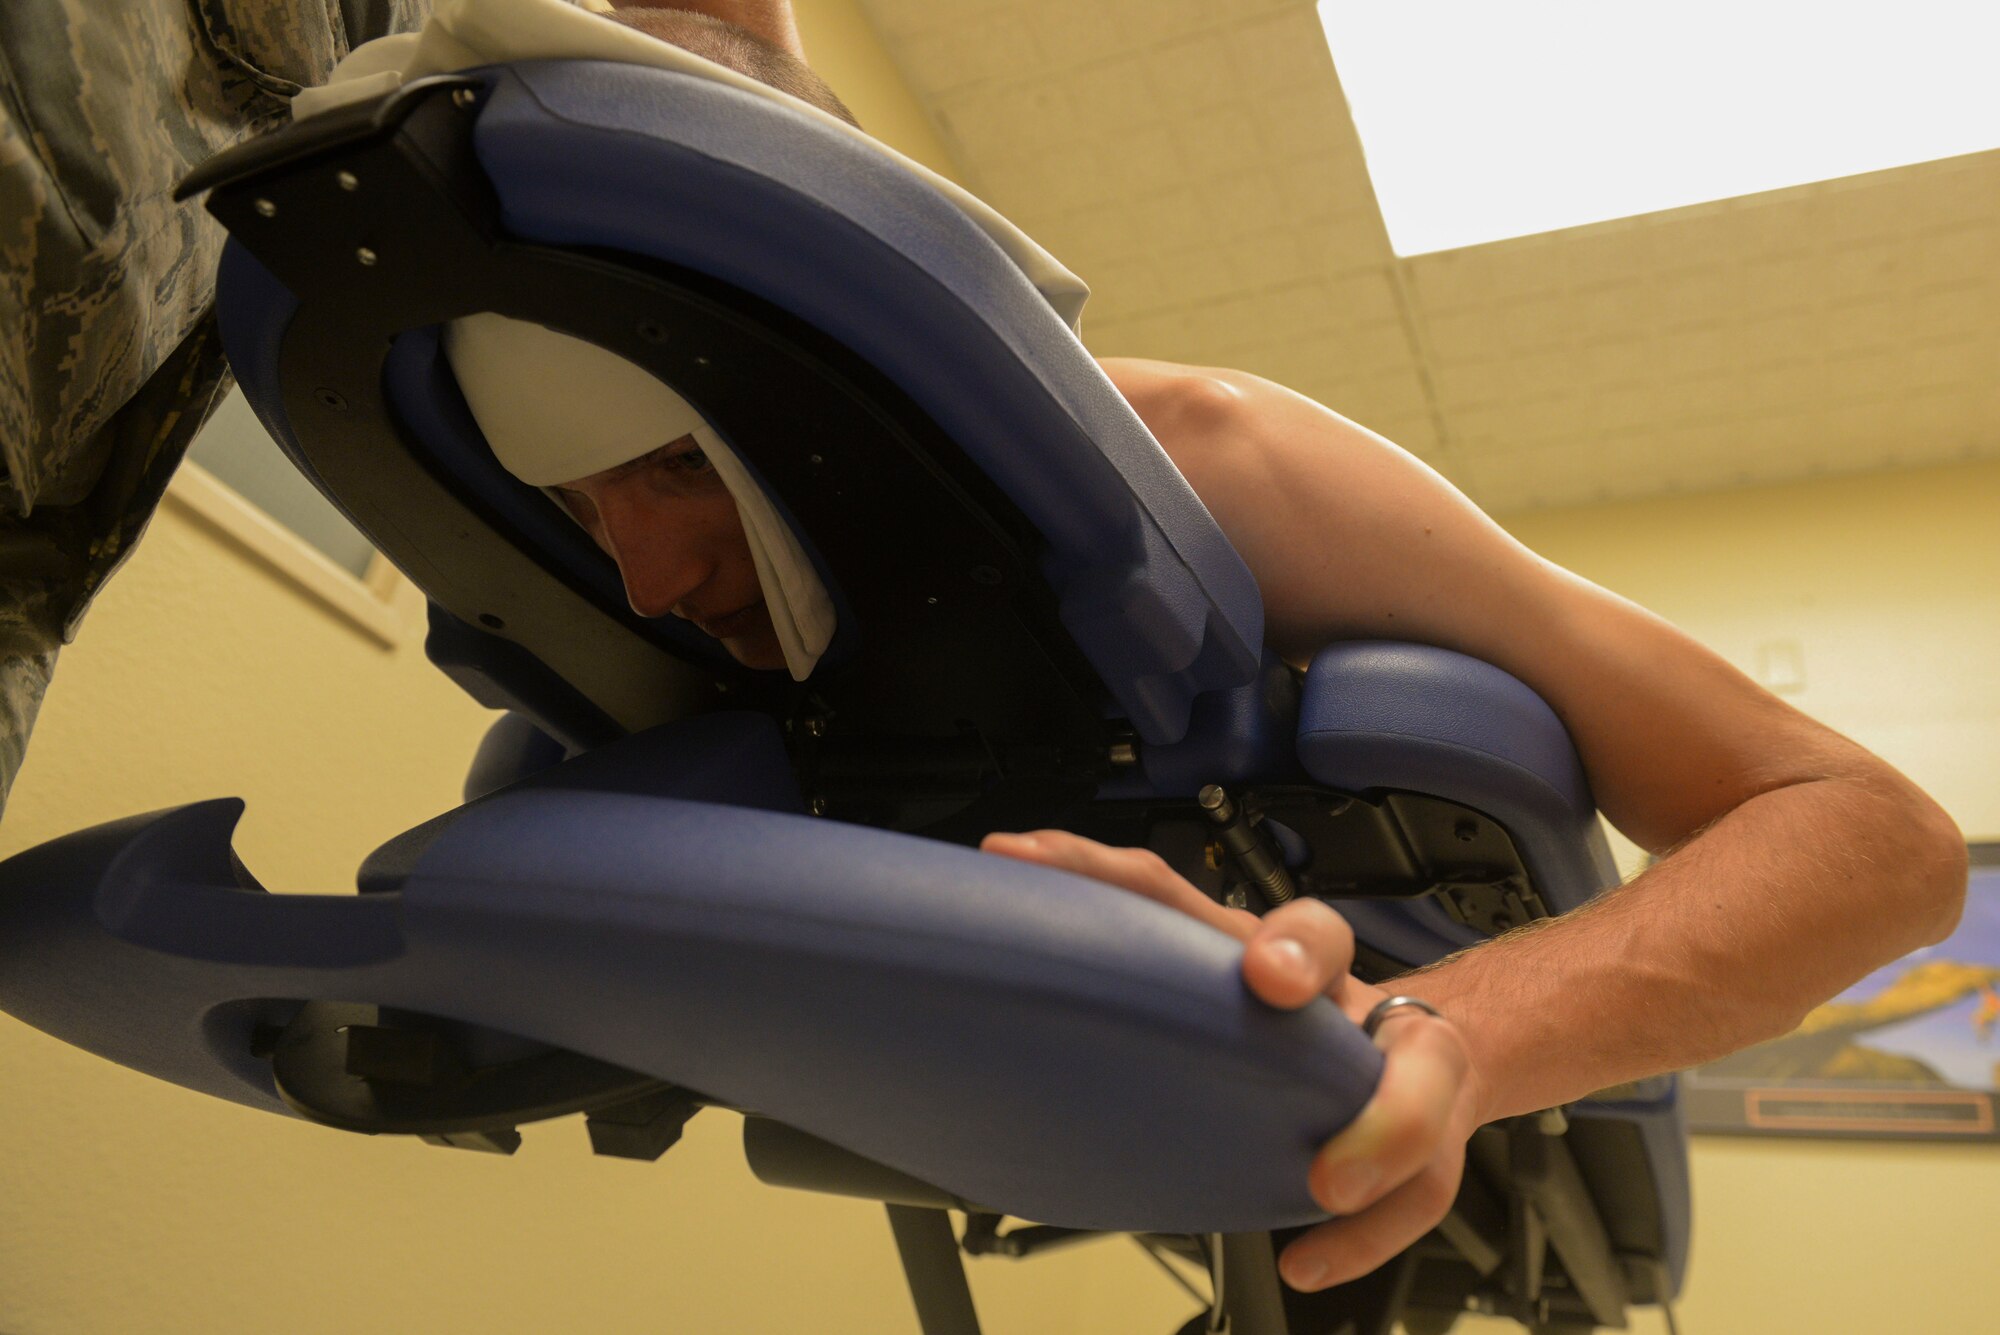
x: 27, y: 659
x: 108, y: 355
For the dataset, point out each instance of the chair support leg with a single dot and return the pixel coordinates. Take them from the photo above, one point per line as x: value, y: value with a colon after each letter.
x: 1554, y: 1189
x: 937, y: 1276
x: 1249, y: 1281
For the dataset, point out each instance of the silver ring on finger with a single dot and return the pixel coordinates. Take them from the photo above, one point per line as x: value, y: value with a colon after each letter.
x: 1389, y: 1006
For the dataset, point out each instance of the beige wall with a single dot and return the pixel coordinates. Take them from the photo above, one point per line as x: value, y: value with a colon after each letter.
x: 842, y: 45
x: 1889, y: 584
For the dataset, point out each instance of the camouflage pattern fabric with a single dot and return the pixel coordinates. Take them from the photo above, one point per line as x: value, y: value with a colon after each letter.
x: 109, y: 361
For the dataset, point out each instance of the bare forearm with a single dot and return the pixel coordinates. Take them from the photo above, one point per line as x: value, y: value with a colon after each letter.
x: 1774, y: 908
x: 1802, y: 862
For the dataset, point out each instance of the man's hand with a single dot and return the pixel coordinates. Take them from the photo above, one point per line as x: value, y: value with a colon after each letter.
x: 1394, y: 1171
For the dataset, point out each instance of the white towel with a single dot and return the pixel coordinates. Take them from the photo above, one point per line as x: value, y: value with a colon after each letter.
x: 554, y: 408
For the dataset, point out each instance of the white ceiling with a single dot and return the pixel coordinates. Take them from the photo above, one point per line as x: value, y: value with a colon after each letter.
x: 1194, y: 161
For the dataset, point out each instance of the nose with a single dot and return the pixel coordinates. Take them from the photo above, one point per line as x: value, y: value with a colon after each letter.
x: 661, y: 560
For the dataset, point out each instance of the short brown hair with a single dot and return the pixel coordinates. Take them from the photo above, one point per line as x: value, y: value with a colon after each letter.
x: 738, y: 49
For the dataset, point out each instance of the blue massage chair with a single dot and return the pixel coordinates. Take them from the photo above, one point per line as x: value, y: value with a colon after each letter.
x: 677, y: 883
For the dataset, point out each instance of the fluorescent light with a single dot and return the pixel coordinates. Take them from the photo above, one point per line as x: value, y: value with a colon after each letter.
x: 1488, y: 119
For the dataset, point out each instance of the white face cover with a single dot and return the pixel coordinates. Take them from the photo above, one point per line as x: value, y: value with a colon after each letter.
x: 554, y: 409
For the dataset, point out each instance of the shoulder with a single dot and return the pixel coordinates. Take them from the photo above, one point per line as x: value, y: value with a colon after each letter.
x: 1229, y: 432
x: 1166, y: 394
x: 1346, y: 532
x: 1226, y: 428
x: 1351, y: 537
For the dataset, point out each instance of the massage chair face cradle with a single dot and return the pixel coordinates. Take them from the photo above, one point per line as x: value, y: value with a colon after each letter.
x: 680, y: 882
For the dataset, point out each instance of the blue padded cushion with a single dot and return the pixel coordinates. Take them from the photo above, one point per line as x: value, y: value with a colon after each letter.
x: 1387, y: 716
x: 1656, y: 1110
x: 512, y: 749
x: 1244, y: 736
x: 1041, y: 1043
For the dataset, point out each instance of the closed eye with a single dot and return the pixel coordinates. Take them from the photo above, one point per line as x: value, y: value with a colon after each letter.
x: 679, y: 468
x: 680, y: 456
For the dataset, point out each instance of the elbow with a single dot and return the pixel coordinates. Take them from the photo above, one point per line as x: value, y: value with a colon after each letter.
x: 1932, y: 850
x: 1952, y: 869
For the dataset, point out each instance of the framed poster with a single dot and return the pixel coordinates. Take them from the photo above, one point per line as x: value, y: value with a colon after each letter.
x: 1911, y: 1052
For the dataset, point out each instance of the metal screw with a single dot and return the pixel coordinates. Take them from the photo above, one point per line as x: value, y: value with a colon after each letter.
x: 930, y: 601
x: 1465, y: 830
x: 463, y: 98
x: 265, y: 208
x: 365, y: 255
x: 1124, y: 753
x: 815, y: 460
x: 815, y: 727
x: 701, y: 361
x: 348, y: 181
x: 817, y: 806
x: 1236, y: 899
x: 330, y: 398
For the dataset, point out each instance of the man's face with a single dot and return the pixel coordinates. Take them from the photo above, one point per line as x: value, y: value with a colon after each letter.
x: 670, y: 523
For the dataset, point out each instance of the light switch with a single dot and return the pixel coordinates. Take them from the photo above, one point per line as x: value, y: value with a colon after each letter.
x: 1781, y: 666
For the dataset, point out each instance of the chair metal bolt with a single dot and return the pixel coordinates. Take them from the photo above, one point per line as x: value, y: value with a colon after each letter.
x: 265, y: 208
x: 348, y: 181
x: 815, y: 727
x: 1250, y: 849
x: 817, y: 806
x: 365, y: 255
x: 463, y: 98
x: 330, y: 398
x: 1124, y: 753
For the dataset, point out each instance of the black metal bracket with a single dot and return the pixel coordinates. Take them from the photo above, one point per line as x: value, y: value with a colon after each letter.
x: 375, y: 1071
